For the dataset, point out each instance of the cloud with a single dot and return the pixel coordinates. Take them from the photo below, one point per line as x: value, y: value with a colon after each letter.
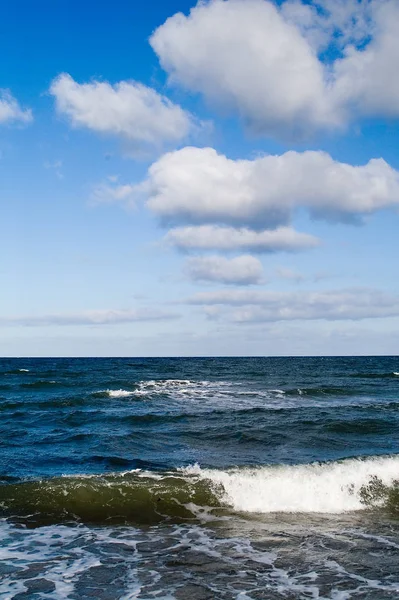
x: 200, y: 186
x: 11, y: 111
x: 244, y: 306
x: 243, y: 56
x: 265, y: 62
x: 90, y: 317
x: 324, y: 23
x: 213, y: 237
x: 113, y: 192
x: 242, y: 270
x: 297, y: 277
x: 367, y: 78
x: 127, y: 109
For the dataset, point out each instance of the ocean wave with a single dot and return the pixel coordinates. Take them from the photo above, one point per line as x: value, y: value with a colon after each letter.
x: 180, y: 387
x: 230, y: 395
x: 118, y: 393
x: 334, y: 487
x: 314, y: 392
x: 387, y: 375
x: 40, y: 383
x: 133, y: 496
x: 193, y: 493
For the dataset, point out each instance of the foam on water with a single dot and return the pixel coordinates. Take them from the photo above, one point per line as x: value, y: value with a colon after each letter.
x: 313, y: 488
x: 204, y: 395
x: 196, y: 494
x: 118, y: 393
x: 181, y: 387
x: 126, y: 563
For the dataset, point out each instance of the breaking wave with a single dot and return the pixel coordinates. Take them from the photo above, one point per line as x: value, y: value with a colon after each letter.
x: 118, y: 393
x: 333, y: 487
x: 194, y: 493
x: 180, y: 387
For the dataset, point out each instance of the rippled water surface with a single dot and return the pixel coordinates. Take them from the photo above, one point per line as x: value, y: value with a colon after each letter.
x: 199, y: 478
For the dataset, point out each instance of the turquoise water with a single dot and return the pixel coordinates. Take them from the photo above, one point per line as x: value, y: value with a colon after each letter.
x: 198, y: 478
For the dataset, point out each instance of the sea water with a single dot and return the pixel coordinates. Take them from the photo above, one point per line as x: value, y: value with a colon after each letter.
x: 231, y: 478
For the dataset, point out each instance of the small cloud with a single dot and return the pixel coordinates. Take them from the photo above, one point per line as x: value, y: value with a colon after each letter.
x: 129, y: 110
x: 242, y: 270
x: 90, y: 317
x: 111, y: 191
x: 11, y: 111
x: 214, y: 237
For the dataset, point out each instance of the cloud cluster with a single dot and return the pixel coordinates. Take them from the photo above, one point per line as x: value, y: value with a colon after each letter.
x: 127, y: 109
x: 11, y: 111
x: 242, y: 270
x: 199, y: 186
x: 286, y: 69
x: 245, y: 306
x: 263, y: 61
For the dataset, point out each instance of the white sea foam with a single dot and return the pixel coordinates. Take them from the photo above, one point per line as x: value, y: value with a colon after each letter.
x: 221, y: 395
x: 180, y: 387
x: 396, y: 373
x: 213, y: 394
x: 302, y: 563
x: 119, y: 393
x: 313, y: 488
x: 23, y: 370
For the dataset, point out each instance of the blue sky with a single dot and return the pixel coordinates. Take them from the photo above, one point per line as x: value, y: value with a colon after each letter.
x: 197, y: 180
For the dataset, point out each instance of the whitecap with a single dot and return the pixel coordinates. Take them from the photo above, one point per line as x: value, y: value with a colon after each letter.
x: 118, y: 393
x: 310, y: 488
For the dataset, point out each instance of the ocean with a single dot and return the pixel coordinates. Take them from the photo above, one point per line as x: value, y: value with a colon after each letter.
x: 197, y: 478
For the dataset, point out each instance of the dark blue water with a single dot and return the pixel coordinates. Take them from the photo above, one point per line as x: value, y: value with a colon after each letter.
x: 256, y: 465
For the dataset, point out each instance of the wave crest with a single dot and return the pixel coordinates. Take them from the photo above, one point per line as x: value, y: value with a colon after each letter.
x: 333, y: 487
x: 195, y: 493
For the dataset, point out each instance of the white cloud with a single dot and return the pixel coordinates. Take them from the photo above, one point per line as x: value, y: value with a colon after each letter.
x: 263, y: 61
x: 242, y: 270
x: 11, y: 111
x: 335, y: 305
x: 113, y: 192
x: 90, y: 317
x: 243, y: 55
x: 127, y: 109
x: 326, y: 22
x: 198, y: 185
x: 367, y: 79
x: 213, y: 237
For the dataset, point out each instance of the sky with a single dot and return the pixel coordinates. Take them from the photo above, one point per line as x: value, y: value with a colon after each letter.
x: 181, y: 179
